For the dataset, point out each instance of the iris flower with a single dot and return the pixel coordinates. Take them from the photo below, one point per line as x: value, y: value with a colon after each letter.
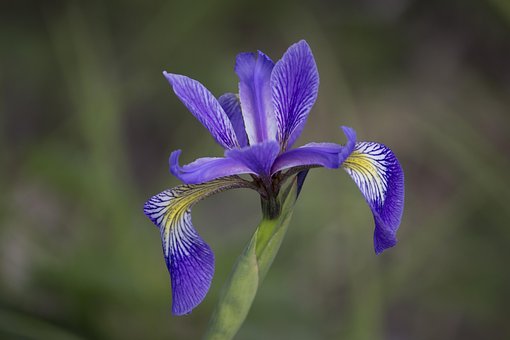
x: 258, y: 128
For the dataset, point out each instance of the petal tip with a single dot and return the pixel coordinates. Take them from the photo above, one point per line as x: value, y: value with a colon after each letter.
x: 380, y: 245
x: 350, y: 134
x: 174, y: 162
x: 243, y: 59
x: 187, y: 295
x: 264, y: 57
x: 303, y: 43
x: 169, y: 76
x: 348, y: 131
x: 303, y: 48
x: 173, y: 79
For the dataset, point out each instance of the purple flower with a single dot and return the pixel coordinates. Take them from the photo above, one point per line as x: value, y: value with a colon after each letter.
x: 257, y: 128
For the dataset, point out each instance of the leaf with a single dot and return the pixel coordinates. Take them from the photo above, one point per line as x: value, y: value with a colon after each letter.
x: 251, y: 267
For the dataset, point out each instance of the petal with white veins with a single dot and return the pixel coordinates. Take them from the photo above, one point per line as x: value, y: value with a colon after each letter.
x: 190, y: 261
x: 205, y: 107
x: 295, y: 84
x: 232, y: 107
x: 254, y: 72
x: 379, y: 176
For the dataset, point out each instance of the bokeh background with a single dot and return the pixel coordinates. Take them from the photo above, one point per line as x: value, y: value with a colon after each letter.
x: 87, y: 124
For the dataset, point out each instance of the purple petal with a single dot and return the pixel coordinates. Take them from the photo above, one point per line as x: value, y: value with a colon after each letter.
x: 191, y: 265
x: 379, y: 176
x: 312, y: 154
x: 328, y: 155
x: 295, y: 83
x: 206, y: 169
x: 254, y: 72
x: 350, y: 133
x: 232, y: 107
x: 189, y: 259
x: 259, y: 157
x: 204, y: 106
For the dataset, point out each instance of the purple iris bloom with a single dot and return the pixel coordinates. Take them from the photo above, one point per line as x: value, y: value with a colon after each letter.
x: 257, y: 128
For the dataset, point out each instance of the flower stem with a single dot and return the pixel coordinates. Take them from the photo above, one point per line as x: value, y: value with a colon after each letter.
x: 270, y: 207
x: 252, y: 265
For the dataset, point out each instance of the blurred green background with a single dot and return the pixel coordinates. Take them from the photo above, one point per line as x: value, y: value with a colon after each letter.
x: 87, y: 124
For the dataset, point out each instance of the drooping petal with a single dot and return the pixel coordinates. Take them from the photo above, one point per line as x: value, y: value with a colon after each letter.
x: 254, y: 72
x: 328, y: 155
x: 206, y: 169
x: 189, y: 259
x: 379, y: 176
x: 232, y: 107
x: 204, y: 106
x: 259, y: 157
x: 295, y: 83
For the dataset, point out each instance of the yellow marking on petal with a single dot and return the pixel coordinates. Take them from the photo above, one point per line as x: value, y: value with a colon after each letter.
x: 169, y: 209
x: 361, y: 163
x: 367, y: 166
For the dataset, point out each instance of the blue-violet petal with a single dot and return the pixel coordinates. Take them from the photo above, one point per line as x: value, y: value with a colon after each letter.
x: 206, y: 169
x: 189, y: 259
x: 379, y: 176
x: 254, y: 72
x: 295, y: 84
x: 205, y: 107
x: 259, y: 157
x: 328, y: 155
x: 232, y: 107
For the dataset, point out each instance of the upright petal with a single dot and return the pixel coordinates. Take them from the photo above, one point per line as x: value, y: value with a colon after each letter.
x: 206, y: 169
x: 189, y: 259
x: 232, y: 107
x: 259, y: 158
x: 254, y: 72
x: 379, y: 176
x: 204, y: 106
x: 328, y: 155
x: 295, y: 83
x: 350, y: 134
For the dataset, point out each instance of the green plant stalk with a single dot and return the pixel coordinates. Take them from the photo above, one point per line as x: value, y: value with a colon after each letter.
x: 251, y: 267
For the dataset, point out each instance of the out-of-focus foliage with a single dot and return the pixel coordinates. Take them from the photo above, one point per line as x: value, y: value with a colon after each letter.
x: 87, y: 122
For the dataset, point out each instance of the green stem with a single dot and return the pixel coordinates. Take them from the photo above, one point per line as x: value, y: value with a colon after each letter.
x: 252, y: 266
